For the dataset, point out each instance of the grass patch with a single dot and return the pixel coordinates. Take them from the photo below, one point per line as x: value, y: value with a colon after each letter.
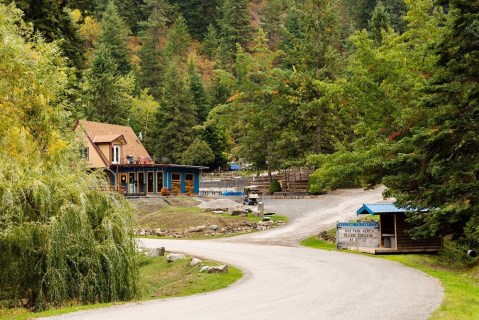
x: 315, y: 243
x: 460, y: 280
x: 158, y: 279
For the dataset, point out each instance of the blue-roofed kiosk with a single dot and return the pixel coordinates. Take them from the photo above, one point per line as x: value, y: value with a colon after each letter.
x: 393, y: 230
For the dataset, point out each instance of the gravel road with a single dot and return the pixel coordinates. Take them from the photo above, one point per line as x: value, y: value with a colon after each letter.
x: 285, y: 281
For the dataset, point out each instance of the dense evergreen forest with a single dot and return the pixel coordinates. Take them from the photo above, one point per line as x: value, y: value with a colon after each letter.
x: 368, y: 92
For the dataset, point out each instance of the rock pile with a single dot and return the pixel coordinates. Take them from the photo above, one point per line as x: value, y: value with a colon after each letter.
x: 326, y: 237
x: 221, y: 205
x: 210, y: 230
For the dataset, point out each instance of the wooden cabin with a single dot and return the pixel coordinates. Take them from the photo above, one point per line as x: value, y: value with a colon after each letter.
x: 393, y: 230
x: 117, y: 151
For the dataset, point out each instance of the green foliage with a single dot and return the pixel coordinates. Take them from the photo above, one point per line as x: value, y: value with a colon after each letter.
x: 52, y: 21
x: 440, y: 170
x: 198, y: 15
x: 235, y: 26
x: 152, y: 56
x: 379, y: 92
x: 272, y: 19
x: 274, y: 186
x: 311, y: 43
x: 379, y: 21
x: 63, y: 237
x: 215, y: 136
x: 175, y: 117
x: 143, y: 119
x: 178, y: 40
x: 197, y: 89
x: 114, y: 37
x: 210, y: 42
x: 106, y: 95
x: 130, y: 11
x: 198, y: 153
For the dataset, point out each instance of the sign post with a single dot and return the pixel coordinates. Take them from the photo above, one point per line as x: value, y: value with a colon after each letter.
x: 357, y: 235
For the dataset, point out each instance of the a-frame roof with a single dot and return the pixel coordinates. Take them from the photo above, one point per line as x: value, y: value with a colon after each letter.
x: 101, y: 132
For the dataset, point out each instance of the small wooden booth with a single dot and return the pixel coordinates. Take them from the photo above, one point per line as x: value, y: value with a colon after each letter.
x: 393, y: 230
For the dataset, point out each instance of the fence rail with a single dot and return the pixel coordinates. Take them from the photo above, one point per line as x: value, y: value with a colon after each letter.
x: 291, y: 181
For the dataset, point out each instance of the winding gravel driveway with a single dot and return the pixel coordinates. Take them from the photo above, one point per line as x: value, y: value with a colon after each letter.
x: 285, y: 281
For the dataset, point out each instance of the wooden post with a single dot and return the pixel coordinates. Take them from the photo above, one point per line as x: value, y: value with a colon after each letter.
x: 395, y: 232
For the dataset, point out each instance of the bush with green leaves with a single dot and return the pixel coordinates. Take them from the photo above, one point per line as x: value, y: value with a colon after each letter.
x: 63, y: 235
x: 274, y: 186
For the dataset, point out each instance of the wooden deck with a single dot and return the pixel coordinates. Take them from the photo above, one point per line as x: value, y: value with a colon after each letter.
x: 396, y: 251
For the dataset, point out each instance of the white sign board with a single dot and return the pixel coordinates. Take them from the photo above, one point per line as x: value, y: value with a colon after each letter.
x: 357, y: 235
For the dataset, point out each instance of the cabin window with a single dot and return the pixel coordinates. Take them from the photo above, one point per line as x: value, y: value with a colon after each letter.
x: 84, y: 153
x: 115, y: 151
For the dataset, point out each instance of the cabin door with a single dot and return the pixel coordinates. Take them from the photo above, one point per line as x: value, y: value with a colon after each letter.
x: 131, y: 183
x: 123, y: 183
x: 150, y: 182
x: 141, y: 182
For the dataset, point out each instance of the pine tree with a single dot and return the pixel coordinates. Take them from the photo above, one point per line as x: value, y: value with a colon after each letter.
x: 175, y: 118
x: 215, y: 137
x: 210, y: 42
x: 114, y: 37
x: 152, y: 56
x: 198, y: 93
x: 379, y: 21
x: 312, y: 39
x: 271, y: 20
x: 129, y: 10
x: 178, y: 40
x: 440, y: 172
x: 234, y: 25
x: 198, y: 15
x: 51, y: 20
x: 107, y: 95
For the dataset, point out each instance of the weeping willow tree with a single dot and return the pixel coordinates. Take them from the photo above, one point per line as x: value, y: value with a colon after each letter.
x: 63, y: 235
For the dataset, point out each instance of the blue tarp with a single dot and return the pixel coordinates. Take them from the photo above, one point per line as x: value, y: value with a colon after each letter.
x: 232, y: 193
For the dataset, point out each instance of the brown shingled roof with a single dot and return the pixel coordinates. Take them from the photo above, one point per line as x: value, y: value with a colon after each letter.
x: 108, y: 138
x: 133, y: 146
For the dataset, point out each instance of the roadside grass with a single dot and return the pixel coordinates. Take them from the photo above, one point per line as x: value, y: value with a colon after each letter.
x: 182, y: 218
x: 173, y: 217
x: 158, y: 279
x: 161, y: 279
x: 460, y: 280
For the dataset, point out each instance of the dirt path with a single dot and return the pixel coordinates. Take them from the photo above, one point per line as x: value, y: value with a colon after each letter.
x: 310, y: 216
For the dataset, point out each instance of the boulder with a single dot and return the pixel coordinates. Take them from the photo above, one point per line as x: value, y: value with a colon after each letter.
x: 213, y: 227
x: 204, y: 269
x: 195, y: 262
x: 175, y: 256
x: 197, y: 229
x: 157, y: 252
x: 218, y: 269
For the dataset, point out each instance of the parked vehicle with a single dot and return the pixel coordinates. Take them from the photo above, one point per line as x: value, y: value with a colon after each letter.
x: 251, y: 195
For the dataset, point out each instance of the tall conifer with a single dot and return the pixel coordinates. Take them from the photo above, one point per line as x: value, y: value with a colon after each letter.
x: 235, y: 25
x: 152, y: 56
x: 114, y: 37
x: 176, y: 116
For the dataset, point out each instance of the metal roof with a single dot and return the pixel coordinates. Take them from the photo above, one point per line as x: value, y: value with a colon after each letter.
x: 378, y: 208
